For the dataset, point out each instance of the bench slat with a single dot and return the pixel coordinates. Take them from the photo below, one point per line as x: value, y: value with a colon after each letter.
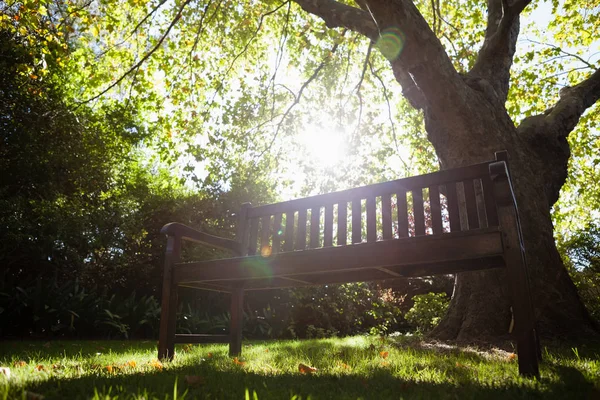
x: 419, y: 212
x: 356, y: 221
x: 276, y: 235
x: 436, y: 210
x: 342, y: 231
x: 371, y: 219
x: 488, y: 198
x: 453, y: 212
x: 386, y: 216
x: 315, y: 217
x: 253, y: 236
x: 301, y: 235
x: 265, y: 233
x: 471, y: 204
x: 377, y: 189
x: 289, y: 231
x: 328, y: 228
x: 402, y: 215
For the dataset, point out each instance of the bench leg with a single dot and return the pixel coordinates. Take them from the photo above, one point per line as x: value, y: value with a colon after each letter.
x: 527, y: 350
x: 237, y: 319
x: 168, y: 313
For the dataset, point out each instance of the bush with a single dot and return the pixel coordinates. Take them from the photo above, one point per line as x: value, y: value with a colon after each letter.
x: 427, y: 311
x: 581, y: 254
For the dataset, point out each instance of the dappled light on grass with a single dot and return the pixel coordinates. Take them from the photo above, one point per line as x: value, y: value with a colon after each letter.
x: 361, y: 366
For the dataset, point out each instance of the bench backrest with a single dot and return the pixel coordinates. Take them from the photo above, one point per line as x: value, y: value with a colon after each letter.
x: 432, y: 204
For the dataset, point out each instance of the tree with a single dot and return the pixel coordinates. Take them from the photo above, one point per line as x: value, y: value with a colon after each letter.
x: 470, y: 100
x: 466, y: 121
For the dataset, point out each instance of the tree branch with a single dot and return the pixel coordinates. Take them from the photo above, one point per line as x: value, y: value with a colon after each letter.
x: 420, y: 55
x: 145, y: 57
x: 297, y: 98
x: 496, y: 55
x: 336, y: 14
x: 565, y: 114
x: 547, y: 133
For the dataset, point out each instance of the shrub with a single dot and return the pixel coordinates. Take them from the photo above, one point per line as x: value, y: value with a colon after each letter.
x: 427, y: 311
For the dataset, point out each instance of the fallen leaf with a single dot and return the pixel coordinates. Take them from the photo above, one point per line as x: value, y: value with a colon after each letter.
x: 19, y: 363
x: 209, y: 355
x: 238, y: 362
x: 305, y: 369
x: 109, y: 368
x: 131, y: 364
x: 56, y: 366
x: 512, y: 356
x: 39, y: 367
x: 187, y: 348
x: 5, y: 371
x: 384, y: 354
x: 266, y: 350
x: 195, y: 380
x: 156, y: 364
x: 344, y: 365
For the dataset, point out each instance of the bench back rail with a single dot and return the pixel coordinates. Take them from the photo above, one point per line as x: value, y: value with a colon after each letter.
x: 441, y: 202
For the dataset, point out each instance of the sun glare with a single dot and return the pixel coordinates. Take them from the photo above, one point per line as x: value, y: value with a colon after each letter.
x: 325, y: 145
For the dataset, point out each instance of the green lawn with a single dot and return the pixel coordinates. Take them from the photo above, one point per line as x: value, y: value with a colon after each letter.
x: 348, y: 368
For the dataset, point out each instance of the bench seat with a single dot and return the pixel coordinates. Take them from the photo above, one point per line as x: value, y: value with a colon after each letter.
x: 448, y: 253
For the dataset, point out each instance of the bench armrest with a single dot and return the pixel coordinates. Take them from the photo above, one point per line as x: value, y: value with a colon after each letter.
x: 186, y: 233
x: 503, y: 190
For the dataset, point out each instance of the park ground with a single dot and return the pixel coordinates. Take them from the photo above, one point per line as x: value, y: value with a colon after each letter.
x: 360, y: 367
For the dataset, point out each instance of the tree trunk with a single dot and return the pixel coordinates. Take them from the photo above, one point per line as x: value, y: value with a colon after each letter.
x: 480, y: 306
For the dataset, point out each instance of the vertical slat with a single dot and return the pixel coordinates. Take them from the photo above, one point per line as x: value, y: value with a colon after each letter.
x: 277, y: 234
x: 243, y: 228
x: 328, y: 229
x: 480, y: 203
x: 253, y: 236
x: 356, y: 221
x: 315, y: 217
x: 402, y: 215
x: 289, y: 231
x: 453, y: 212
x: 386, y: 216
x: 301, y: 236
x: 265, y: 233
x: 371, y: 219
x: 471, y: 204
x: 342, y: 231
x: 419, y: 212
x: 436, y: 210
x: 490, y: 204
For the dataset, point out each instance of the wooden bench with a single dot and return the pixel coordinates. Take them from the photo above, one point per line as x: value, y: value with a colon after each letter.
x: 451, y: 221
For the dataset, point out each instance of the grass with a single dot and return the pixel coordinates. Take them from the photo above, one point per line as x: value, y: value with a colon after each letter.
x: 347, y: 368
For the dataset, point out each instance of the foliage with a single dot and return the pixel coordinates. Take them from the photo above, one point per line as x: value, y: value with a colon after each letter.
x: 581, y: 254
x: 347, y: 368
x: 427, y: 311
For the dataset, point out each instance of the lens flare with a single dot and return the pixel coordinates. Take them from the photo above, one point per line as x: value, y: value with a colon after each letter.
x: 391, y: 43
x: 266, y: 251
